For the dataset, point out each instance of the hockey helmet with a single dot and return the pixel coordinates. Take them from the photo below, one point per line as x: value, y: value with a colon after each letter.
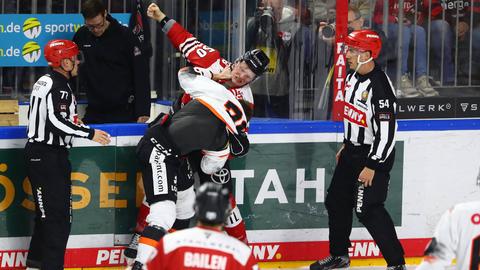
x: 212, y: 204
x: 365, y: 40
x: 256, y: 60
x: 58, y: 49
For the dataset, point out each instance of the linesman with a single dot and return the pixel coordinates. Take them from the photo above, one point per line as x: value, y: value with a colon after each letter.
x: 362, y: 174
x: 52, y: 125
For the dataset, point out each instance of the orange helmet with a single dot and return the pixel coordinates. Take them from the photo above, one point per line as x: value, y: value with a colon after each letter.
x: 365, y: 40
x: 58, y: 49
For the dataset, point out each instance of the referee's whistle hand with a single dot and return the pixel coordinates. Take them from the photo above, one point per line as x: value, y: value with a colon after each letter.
x: 101, y: 137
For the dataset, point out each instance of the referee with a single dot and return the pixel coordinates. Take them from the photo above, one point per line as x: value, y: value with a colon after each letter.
x: 52, y: 124
x: 360, y: 181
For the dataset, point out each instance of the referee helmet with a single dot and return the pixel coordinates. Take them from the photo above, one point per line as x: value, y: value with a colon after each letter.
x: 365, y: 40
x: 58, y: 49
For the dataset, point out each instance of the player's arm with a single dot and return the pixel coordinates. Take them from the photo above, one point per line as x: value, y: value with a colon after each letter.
x: 139, y: 67
x: 194, y: 51
x: 193, y: 82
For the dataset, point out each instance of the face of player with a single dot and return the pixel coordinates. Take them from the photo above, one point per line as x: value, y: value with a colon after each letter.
x: 242, y: 74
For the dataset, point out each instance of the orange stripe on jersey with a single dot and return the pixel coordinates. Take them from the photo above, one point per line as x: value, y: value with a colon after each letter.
x: 148, y: 241
x: 214, y: 112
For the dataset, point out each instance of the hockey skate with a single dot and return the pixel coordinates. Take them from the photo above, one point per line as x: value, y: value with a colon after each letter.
x: 331, y: 262
x: 397, y: 267
x: 131, y: 251
x: 136, y: 266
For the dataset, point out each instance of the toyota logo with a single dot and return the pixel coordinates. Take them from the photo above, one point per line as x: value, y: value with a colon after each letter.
x: 221, y: 177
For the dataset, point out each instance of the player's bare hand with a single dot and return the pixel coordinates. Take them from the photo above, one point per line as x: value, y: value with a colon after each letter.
x: 225, y: 75
x: 155, y: 13
x: 101, y: 137
x: 143, y: 119
x: 462, y: 29
x: 366, y: 176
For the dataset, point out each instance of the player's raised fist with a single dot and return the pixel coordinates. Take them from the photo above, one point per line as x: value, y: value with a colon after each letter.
x: 155, y: 13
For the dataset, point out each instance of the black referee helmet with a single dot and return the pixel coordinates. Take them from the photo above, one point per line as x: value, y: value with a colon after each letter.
x: 212, y: 204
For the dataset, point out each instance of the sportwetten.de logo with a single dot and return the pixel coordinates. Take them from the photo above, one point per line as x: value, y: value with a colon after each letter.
x: 32, y: 28
x: 31, y: 52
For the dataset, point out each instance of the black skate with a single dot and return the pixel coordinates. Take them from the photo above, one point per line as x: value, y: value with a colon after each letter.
x: 397, y: 267
x: 137, y: 266
x: 331, y: 262
x: 131, y: 251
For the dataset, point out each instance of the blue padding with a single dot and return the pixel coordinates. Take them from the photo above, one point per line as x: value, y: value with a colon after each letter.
x: 271, y: 126
x: 164, y: 102
x: 17, y: 132
x: 450, y: 124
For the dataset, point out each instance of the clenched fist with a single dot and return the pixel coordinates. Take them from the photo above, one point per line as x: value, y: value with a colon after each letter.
x: 155, y: 13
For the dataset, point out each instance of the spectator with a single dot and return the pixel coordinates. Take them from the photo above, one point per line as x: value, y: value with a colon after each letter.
x: 442, y: 30
x: 356, y: 21
x: 115, y: 71
x: 364, y: 7
x: 206, y: 239
x: 219, y: 121
x: 456, y: 236
x: 414, y: 16
x: 273, y: 29
x: 52, y: 125
x: 468, y: 33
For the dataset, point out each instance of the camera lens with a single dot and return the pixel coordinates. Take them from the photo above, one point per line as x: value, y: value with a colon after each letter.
x: 266, y: 20
x: 328, y: 31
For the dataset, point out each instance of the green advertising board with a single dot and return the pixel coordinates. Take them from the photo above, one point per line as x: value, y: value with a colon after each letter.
x: 278, y: 186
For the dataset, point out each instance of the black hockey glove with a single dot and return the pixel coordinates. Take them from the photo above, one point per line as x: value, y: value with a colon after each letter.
x: 239, y: 144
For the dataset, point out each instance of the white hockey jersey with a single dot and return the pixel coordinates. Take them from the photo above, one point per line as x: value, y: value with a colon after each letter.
x: 457, y: 236
x: 216, y: 98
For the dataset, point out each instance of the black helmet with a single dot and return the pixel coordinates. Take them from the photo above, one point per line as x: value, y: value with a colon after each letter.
x: 256, y: 60
x: 212, y: 204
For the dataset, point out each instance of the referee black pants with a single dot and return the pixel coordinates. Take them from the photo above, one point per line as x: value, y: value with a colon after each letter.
x: 48, y: 169
x: 345, y: 194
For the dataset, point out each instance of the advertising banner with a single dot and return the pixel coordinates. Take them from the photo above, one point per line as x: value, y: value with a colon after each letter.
x: 23, y: 36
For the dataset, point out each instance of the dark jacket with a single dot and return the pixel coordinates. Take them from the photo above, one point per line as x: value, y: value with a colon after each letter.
x: 114, y: 75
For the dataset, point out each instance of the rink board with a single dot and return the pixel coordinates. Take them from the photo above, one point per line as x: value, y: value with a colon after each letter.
x: 280, y: 188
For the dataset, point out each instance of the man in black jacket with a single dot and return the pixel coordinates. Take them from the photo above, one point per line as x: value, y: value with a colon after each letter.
x: 115, y: 73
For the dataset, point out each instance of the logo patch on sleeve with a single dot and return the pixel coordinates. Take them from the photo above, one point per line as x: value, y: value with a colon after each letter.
x: 136, y: 51
x: 384, y: 116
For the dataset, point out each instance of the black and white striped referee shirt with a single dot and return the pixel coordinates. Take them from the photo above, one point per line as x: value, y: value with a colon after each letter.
x: 370, y: 114
x: 52, y: 115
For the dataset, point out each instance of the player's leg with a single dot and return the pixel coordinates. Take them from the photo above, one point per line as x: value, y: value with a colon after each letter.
x: 159, y: 165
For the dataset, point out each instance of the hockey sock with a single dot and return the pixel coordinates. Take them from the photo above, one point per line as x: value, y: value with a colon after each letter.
x: 147, y: 246
x: 141, y: 217
x: 235, y: 226
x: 181, y: 224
